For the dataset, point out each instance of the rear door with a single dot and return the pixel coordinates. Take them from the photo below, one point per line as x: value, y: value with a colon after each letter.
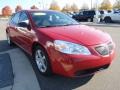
x: 85, y: 15
x: 116, y: 16
x: 88, y: 14
x: 91, y: 14
x: 80, y: 16
x: 13, y: 27
x: 26, y: 36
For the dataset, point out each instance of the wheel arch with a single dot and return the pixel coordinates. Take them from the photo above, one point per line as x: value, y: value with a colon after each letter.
x: 107, y: 17
x: 36, y: 44
x: 7, y: 30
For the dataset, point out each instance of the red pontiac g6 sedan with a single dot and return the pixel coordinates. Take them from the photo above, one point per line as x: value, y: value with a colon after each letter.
x: 59, y: 44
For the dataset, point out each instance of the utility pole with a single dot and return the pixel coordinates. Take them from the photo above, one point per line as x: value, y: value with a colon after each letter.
x: 91, y: 4
x: 42, y: 4
x: 96, y: 4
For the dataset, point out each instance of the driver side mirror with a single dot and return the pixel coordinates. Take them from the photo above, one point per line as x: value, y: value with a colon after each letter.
x: 24, y: 25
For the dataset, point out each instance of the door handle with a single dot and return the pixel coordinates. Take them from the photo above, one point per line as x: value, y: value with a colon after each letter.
x: 17, y: 28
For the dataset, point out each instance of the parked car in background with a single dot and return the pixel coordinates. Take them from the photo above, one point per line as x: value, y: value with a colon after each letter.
x: 59, y: 44
x: 87, y: 15
x: 69, y: 14
x: 113, y: 16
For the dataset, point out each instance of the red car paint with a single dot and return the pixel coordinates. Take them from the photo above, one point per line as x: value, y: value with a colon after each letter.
x: 64, y: 64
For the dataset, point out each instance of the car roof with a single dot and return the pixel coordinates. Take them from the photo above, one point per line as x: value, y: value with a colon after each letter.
x: 89, y: 10
x: 37, y: 10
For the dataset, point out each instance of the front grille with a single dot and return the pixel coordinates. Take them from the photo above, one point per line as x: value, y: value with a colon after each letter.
x: 105, y: 49
x: 91, y: 71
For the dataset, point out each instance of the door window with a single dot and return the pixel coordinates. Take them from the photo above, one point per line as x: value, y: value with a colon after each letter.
x: 23, y: 17
x: 15, y: 19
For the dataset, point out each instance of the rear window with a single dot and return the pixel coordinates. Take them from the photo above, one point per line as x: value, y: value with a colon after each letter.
x: 101, y: 12
x: 15, y: 18
x: 89, y: 12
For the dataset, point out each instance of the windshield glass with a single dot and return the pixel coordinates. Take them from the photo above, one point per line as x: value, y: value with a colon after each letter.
x: 51, y: 19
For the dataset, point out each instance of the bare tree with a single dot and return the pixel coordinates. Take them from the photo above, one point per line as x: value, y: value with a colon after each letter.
x: 54, y: 6
x: 74, y: 7
x: 67, y: 8
x: 116, y: 5
x: 34, y: 7
x: 105, y: 5
x: 18, y: 8
x: 85, y: 6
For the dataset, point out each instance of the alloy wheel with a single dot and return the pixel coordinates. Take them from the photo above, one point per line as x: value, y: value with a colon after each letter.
x: 41, y: 61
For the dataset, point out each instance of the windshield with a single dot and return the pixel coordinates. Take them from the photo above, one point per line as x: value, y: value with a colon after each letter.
x: 51, y: 19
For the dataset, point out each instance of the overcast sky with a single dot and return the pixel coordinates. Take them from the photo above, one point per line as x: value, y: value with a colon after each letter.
x: 26, y: 4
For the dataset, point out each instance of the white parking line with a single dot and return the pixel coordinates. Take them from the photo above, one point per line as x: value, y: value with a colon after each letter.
x: 25, y: 78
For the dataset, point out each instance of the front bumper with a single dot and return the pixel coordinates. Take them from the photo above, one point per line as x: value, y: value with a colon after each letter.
x: 90, y: 64
x: 73, y: 65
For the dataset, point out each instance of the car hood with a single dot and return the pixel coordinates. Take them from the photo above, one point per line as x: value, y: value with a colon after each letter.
x: 77, y: 33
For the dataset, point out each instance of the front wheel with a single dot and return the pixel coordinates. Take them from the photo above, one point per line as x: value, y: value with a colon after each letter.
x: 42, y: 61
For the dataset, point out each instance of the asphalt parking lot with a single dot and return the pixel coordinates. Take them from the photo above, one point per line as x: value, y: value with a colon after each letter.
x: 106, y: 80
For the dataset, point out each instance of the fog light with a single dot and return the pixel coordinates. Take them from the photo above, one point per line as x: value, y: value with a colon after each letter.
x: 102, y: 50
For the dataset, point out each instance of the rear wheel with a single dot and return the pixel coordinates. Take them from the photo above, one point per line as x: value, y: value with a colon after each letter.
x: 89, y: 20
x: 107, y: 20
x: 9, y: 40
x: 41, y: 61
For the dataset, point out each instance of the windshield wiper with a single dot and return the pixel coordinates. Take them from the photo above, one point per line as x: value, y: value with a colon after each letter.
x: 70, y: 24
x: 47, y: 26
x: 57, y: 25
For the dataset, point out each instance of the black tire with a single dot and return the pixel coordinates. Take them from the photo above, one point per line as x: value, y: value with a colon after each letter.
x: 107, y: 20
x: 48, y: 71
x: 9, y: 41
x: 90, y: 19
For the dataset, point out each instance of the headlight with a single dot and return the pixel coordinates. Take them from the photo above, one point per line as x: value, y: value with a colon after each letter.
x: 70, y: 48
